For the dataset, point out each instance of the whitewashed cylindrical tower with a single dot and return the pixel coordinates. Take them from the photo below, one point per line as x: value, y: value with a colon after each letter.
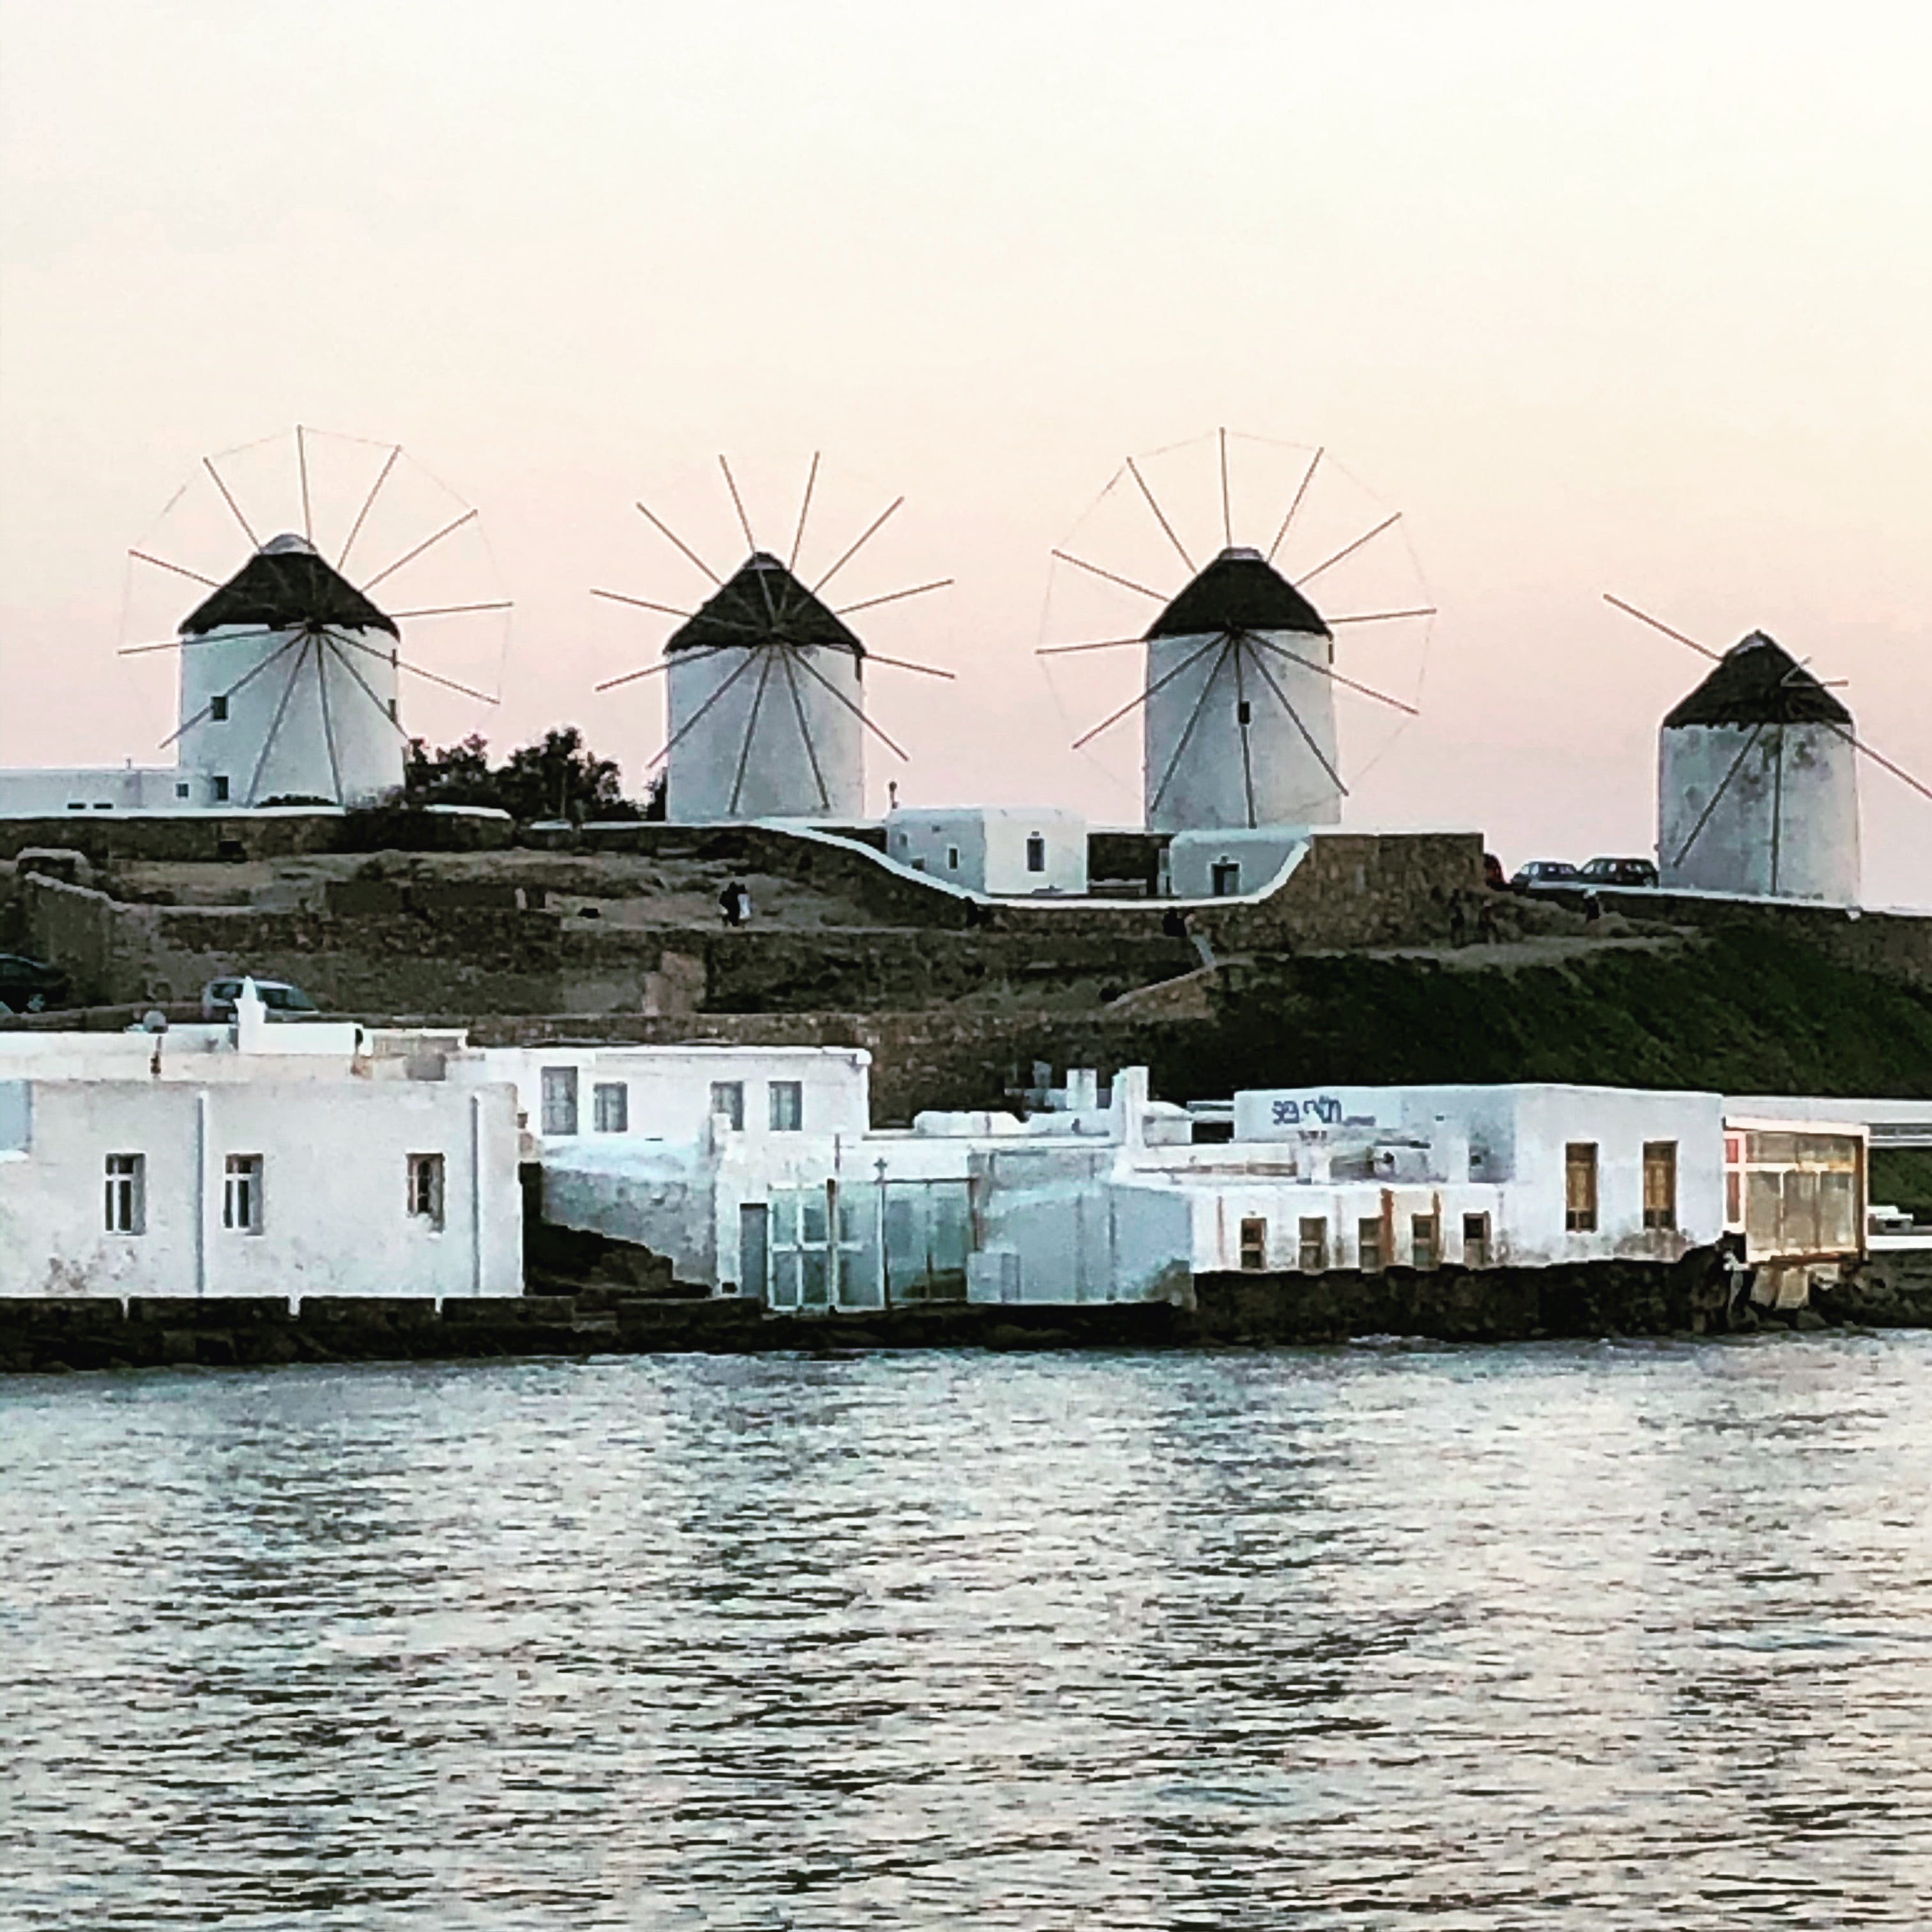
x: 766, y: 694
x: 1239, y: 720
x: 288, y: 687
x: 1757, y: 782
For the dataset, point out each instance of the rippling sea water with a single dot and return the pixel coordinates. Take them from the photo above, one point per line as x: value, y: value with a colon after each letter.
x: 1549, y: 1637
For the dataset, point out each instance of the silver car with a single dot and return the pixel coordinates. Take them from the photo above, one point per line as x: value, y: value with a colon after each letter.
x: 283, y: 1001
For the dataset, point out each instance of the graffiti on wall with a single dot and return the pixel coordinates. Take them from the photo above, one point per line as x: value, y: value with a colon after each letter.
x: 1306, y: 1110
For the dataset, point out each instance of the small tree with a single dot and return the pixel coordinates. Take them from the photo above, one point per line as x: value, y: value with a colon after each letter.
x: 558, y: 777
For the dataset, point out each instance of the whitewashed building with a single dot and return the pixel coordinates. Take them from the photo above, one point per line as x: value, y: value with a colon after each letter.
x: 1111, y: 1197
x: 1232, y: 864
x: 258, y: 1159
x: 1000, y: 850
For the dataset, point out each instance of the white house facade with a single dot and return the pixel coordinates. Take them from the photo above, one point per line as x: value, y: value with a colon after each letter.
x: 1112, y: 1199
x: 1004, y: 850
x: 259, y: 1159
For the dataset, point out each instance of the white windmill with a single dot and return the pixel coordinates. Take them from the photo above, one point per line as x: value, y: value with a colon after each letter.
x: 1239, y: 726
x: 1757, y: 778
x: 766, y: 683
x: 289, y: 670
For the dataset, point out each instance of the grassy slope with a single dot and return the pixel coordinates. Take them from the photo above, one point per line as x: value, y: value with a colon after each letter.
x: 1739, y: 1011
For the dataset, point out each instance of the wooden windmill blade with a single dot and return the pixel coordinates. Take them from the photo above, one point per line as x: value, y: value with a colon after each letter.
x: 306, y: 730
x: 1237, y: 697
x: 767, y: 715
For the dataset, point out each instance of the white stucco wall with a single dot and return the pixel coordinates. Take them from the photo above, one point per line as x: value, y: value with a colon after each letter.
x: 1513, y: 1137
x: 669, y: 1088
x: 779, y: 778
x: 1209, y: 786
x: 1261, y: 855
x: 335, y: 1218
x: 1814, y: 803
x: 42, y: 791
x: 984, y: 847
x: 323, y: 699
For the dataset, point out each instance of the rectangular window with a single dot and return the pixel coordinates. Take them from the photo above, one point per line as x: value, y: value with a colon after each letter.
x: 559, y: 1099
x: 728, y: 1097
x: 1579, y: 1187
x: 1035, y: 852
x: 611, y: 1107
x: 181, y: 791
x: 1369, y: 1246
x: 426, y: 1188
x: 1659, y: 1183
x: 221, y: 791
x: 1475, y: 1240
x: 1314, y: 1243
x: 241, y: 1194
x: 217, y: 708
x: 1424, y: 1248
x: 1254, y: 1245
x: 127, y: 1190
x: 953, y: 858
x: 1226, y: 878
x: 787, y: 1107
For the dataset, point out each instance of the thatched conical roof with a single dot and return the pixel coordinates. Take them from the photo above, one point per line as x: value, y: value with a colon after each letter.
x: 1758, y: 682
x: 284, y: 586
x: 1240, y: 590
x: 763, y: 603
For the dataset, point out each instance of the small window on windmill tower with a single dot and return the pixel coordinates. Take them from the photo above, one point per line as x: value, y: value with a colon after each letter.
x: 1035, y: 852
x: 953, y: 858
x: 1226, y: 878
x: 217, y: 708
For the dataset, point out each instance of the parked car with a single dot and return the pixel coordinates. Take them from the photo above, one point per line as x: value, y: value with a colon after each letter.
x: 30, y: 985
x: 284, y: 1002
x: 1543, y: 872
x: 1618, y: 872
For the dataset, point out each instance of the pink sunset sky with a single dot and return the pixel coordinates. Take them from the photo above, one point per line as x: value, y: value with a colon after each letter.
x: 1604, y: 298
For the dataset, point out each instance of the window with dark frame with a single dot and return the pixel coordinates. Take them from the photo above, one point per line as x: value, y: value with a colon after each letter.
x: 425, y: 1183
x: 559, y: 1099
x: 1424, y: 1240
x: 241, y: 1192
x: 1660, y: 1184
x: 1368, y: 1245
x: 126, y: 1188
x: 220, y: 785
x: 1254, y: 1244
x: 611, y: 1107
x: 787, y: 1107
x: 1475, y: 1240
x: 1035, y: 852
x: 1314, y: 1254
x: 1579, y: 1187
x: 728, y: 1097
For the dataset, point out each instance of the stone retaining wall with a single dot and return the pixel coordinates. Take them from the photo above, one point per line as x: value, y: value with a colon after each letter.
x: 1690, y: 1297
x: 211, y: 837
